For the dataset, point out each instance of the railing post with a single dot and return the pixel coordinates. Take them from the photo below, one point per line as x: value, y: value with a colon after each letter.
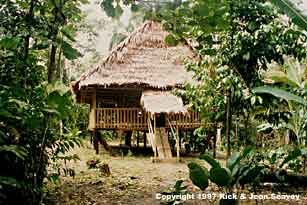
x: 177, y: 142
x: 92, y: 120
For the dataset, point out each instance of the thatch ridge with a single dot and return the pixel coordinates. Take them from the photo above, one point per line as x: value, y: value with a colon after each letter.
x: 143, y: 58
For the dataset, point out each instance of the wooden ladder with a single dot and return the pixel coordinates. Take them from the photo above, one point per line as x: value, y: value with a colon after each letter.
x: 159, y: 141
x: 163, y: 147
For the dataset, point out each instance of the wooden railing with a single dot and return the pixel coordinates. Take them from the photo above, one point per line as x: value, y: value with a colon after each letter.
x: 136, y: 119
x: 190, y: 120
x: 121, y: 118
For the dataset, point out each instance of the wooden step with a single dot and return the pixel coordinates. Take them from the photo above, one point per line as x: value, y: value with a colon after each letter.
x: 163, y: 147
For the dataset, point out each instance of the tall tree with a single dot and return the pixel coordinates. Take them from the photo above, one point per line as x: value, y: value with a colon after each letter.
x: 30, y: 108
x: 234, y: 40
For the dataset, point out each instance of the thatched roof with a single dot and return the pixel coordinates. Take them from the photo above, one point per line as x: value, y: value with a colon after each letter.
x: 162, y: 102
x: 143, y: 59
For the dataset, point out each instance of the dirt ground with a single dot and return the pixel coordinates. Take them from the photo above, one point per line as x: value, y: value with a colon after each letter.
x: 133, y: 180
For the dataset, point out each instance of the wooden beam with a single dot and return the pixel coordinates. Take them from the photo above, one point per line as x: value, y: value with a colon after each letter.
x: 92, y: 118
x: 95, y: 140
x: 145, y: 139
x: 177, y: 142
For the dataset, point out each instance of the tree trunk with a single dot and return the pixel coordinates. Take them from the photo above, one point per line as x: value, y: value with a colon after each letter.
x: 59, y: 68
x: 214, y: 145
x: 95, y: 140
x: 228, y: 122
x: 29, y: 18
x: 52, y: 63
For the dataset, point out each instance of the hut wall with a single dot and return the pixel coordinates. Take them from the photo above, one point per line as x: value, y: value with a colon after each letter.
x: 118, y: 98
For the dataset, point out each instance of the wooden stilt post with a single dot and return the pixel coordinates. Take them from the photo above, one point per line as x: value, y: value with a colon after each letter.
x: 128, y: 138
x: 177, y: 142
x: 102, y: 141
x: 180, y: 138
x: 145, y: 140
x: 155, y: 138
x: 137, y: 139
x: 95, y: 139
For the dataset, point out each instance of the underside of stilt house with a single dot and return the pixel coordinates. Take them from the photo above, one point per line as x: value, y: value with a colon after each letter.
x: 132, y: 88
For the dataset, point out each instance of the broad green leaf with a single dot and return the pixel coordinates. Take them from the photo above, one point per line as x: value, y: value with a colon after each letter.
x: 198, y: 175
x: 69, y: 52
x: 277, y: 92
x: 291, y: 156
x: 8, y: 181
x: 20, y: 103
x: 171, y: 40
x: 233, y: 160
x: 220, y: 176
x: 294, y: 72
x: 247, y: 151
x: 118, y: 11
x: 178, y: 184
x: 293, y: 12
x: 6, y: 114
x: 108, y: 7
x: 134, y: 7
x: 214, y: 163
x: 18, y: 151
x: 9, y: 42
x: 69, y: 33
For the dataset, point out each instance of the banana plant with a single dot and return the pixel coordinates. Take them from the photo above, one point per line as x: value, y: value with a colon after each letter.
x: 239, y: 170
x: 296, y: 15
x: 292, y: 75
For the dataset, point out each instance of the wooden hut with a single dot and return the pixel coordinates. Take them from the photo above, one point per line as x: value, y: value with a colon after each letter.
x: 131, y: 89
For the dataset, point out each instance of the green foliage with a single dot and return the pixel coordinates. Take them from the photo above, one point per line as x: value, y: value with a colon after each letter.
x: 239, y: 170
x: 293, y: 12
x: 171, y: 40
x: 201, y: 139
x: 212, y: 162
x: 289, y: 84
x: 235, y: 41
x: 93, y: 163
x: 240, y: 34
x: 69, y: 52
x: 38, y: 121
x: 290, y: 74
x: 198, y: 175
x: 220, y: 176
x: 177, y: 189
x: 284, y: 158
x: 280, y: 93
x: 113, y: 11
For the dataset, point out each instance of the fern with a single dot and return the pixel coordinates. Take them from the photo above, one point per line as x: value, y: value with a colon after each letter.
x: 293, y: 12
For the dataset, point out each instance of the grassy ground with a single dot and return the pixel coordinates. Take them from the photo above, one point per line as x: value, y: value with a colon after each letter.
x: 133, y: 180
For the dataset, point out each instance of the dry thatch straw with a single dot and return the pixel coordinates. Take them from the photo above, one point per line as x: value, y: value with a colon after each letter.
x: 143, y: 59
x: 162, y: 102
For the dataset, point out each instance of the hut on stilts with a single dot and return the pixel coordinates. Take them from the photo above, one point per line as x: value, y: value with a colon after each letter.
x: 131, y: 89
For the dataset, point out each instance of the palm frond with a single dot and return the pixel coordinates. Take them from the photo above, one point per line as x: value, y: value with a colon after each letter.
x: 293, y: 12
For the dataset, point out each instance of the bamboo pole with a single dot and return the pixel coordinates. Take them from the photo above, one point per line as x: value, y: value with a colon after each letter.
x: 154, y: 136
x: 177, y: 142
